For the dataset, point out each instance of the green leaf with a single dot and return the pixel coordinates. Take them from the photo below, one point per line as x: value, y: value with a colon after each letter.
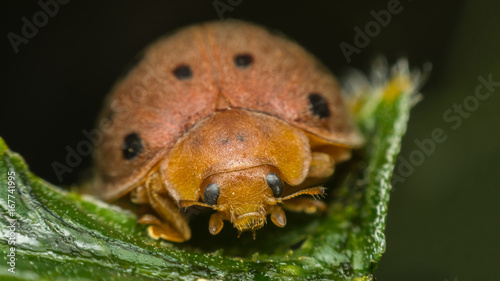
x: 62, y: 235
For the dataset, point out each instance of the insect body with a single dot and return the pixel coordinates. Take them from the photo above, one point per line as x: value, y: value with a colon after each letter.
x: 227, y: 116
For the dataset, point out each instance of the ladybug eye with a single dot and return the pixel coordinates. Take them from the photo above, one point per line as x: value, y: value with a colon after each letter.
x: 243, y: 60
x: 132, y: 146
x: 318, y: 105
x: 274, y: 182
x: 183, y: 72
x: 211, y: 194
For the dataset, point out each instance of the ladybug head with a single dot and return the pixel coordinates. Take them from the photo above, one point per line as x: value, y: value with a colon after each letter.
x: 237, y: 162
x: 245, y: 197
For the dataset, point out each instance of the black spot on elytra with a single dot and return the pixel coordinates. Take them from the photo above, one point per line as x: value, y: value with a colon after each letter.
x: 243, y: 60
x: 132, y: 146
x: 224, y: 140
x: 241, y: 137
x: 183, y: 72
x: 318, y: 105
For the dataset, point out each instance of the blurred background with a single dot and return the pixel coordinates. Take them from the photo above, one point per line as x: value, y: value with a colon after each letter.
x: 444, y: 215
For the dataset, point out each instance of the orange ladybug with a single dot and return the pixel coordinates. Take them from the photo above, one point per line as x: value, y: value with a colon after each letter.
x: 228, y: 116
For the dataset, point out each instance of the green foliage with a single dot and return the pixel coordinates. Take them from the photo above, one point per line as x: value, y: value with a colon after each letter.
x: 67, y: 236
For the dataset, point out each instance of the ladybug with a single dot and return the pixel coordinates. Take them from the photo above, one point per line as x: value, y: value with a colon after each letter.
x: 225, y: 115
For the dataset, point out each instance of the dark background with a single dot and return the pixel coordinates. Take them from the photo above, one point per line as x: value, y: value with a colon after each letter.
x: 443, y: 219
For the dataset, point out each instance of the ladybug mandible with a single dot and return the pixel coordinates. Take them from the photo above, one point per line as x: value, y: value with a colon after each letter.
x: 224, y: 115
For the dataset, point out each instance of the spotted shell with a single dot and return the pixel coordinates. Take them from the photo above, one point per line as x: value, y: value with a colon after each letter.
x: 185, y: 77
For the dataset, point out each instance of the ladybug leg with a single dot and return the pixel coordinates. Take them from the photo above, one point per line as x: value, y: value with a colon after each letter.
x: 139, y: 195
x: 322, y: 165
x: 216, y: 223
x: 156, y: 228
x: 172, y: 226
x: 306, y: 205
x: 278, y: 216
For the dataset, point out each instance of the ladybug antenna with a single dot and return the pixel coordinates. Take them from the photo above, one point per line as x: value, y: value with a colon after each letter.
x: 189, y: 203
x: 313, y: 191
